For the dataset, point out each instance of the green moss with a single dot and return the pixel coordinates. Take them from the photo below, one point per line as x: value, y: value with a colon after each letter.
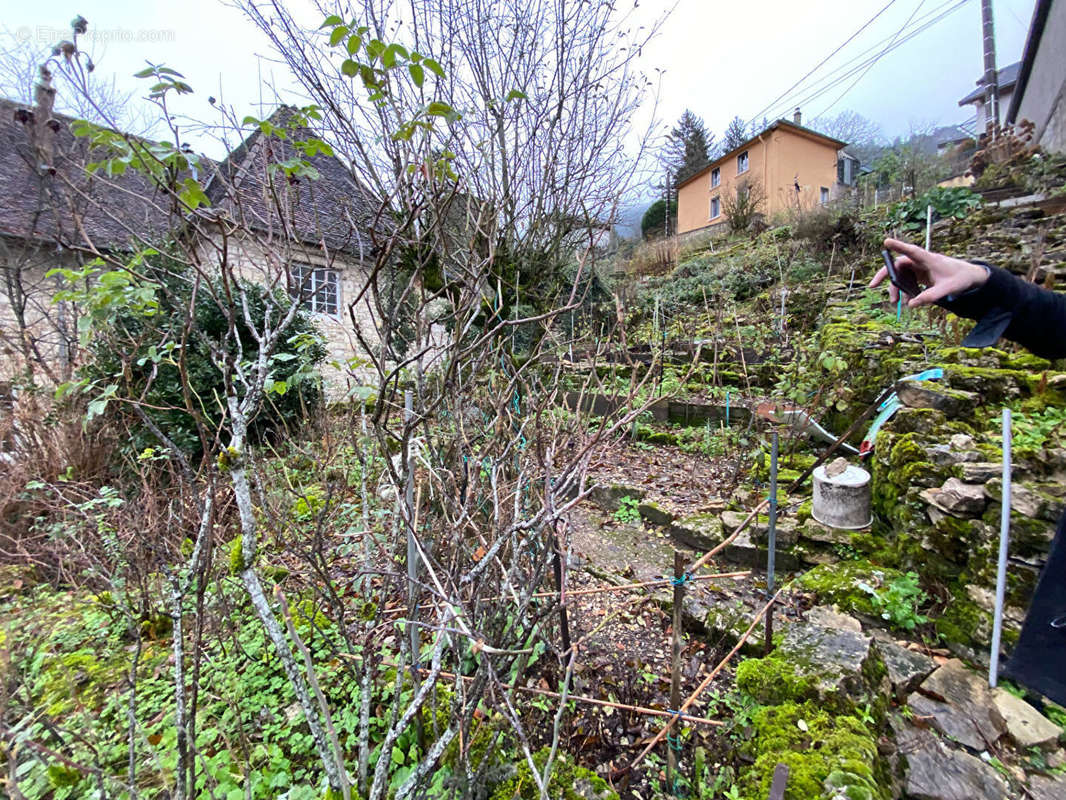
x: 917, y: 420
x: 923, y: 473
x: 840, y: 583
x: 815, y: 744
x: 1026, y: 361
x: 961, y: 620
x: 906, y: 449
x: 651, y: 436
x: 236, y: 556
x: 568, y: 781
x: 772, y: 680
x: 994, y: 385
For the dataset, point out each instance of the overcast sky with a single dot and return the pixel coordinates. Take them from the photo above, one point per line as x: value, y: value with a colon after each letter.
x: 718, y: 58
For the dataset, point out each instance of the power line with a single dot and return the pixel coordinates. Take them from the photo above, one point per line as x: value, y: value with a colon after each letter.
x: 819, y: 65
x: 878, y: 58
x: 834, y: 77
x: 923, y: 24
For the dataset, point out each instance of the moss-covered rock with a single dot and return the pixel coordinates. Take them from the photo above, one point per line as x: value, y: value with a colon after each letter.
x: 815, y: 743
x: 773, y: 680
x: 843, y: 584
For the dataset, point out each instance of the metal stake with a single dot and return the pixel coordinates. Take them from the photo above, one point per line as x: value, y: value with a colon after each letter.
x: 412, y: 554
x: 675, y: 671
x: 771, y: 541
x: 1004, y: 541
x: 409, y: 517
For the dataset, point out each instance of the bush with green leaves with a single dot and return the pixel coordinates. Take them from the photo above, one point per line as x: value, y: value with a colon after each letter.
x: 140, y: 346
x: 955, y: 202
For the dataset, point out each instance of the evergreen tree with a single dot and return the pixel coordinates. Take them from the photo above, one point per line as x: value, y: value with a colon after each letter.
x: 688, y: 147
x: 735, y: 135
x: 653, y: 224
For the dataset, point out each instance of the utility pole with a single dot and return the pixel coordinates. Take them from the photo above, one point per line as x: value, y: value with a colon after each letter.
x: 991, y: 87
x: 667, y: 224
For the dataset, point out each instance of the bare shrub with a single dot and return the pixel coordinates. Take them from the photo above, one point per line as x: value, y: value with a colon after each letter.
x: 653, y: 257
x: 743, y: 207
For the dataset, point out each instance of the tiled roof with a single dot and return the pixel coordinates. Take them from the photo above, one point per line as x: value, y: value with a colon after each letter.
x: 1005, y: 79
x: 332, y: 208
x: 53, y: 200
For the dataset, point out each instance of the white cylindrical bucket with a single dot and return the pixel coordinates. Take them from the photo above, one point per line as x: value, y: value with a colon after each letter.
x: 842, y: 500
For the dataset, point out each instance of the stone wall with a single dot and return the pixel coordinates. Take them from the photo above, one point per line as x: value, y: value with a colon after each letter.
x: 50, y: 328
x: 345, y: 365
x: 937, y: 486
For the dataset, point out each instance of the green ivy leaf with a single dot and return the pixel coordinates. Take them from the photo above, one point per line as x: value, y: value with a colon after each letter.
x: 331, y: 21
x: 514, y: 94
x: 433, y: 67
x: 350, y: 68
x: 418, y: 75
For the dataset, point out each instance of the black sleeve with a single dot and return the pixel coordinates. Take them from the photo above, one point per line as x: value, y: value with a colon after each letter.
x: 1008, y: 306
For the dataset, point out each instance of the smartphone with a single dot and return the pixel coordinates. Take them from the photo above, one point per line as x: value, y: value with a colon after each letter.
x: 902, y: 279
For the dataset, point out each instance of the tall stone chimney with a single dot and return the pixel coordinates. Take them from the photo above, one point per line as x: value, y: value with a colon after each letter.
x: 797, y: 117
x: 45, y: 125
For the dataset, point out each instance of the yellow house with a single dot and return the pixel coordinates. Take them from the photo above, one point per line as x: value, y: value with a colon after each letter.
x: 791, y: 166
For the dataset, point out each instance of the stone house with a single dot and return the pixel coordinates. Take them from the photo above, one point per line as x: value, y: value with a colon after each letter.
x: 796, y: 167
x: 308, y: 236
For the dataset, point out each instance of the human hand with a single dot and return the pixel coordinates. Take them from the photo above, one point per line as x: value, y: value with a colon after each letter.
x: 941, y: 275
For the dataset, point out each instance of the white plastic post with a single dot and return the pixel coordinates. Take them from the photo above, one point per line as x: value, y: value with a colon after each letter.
x: 928, y: 227
x: 1004, y: 541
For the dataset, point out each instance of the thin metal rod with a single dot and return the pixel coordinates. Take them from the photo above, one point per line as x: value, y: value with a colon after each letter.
x: 1004, y: 543
x: 409, y: 507
x: 675, y: 664
x: 771, y: 549
x: 412, y: 549
x: 771, y: 541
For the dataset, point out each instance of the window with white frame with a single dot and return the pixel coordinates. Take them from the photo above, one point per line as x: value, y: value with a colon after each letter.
x: 742, y: 162
x: 716, y: 207
x: 823, y: 195
x: 317, y: 287
x: 716, y: 177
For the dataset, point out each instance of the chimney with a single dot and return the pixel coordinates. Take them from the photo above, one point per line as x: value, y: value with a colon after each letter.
x: 46, y: 127
x: 797, y: 117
